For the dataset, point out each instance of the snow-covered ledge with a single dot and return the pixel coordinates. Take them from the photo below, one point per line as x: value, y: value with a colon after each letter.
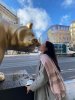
x: 16, y: 79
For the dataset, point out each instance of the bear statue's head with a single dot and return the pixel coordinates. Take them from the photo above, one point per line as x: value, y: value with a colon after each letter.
x: 24, y: 39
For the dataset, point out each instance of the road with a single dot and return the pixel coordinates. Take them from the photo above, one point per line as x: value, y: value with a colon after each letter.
x: 30, y: 62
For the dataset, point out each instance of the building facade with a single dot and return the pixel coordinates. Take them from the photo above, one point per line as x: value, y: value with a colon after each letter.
x: 11, y: 18
x: 60, y: 36
x: 72, y: 32
x: 8, y: 15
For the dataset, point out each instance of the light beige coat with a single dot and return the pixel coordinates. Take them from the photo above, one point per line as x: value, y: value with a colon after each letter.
x: 41, y: 86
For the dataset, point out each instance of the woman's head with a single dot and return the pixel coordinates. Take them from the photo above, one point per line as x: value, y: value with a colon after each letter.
x: 43, y: 48
x: 48, y: 48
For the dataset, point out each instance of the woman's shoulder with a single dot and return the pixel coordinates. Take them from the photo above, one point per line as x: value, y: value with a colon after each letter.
x: 44, y: 57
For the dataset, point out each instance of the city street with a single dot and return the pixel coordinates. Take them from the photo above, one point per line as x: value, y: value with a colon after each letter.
x: 30, y: 62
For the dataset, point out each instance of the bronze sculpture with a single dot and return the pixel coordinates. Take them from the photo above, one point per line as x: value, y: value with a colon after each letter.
x: 16, y: 38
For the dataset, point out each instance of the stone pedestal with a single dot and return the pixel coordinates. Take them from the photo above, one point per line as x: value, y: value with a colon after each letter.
x: 13, y: 87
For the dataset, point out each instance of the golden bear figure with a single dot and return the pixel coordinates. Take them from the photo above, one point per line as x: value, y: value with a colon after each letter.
x: 14, y: 37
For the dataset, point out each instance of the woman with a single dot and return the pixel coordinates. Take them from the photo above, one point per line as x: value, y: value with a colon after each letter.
x: 49, y: 84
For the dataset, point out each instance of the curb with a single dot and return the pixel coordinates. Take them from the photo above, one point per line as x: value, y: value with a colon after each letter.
x: 22, y: 55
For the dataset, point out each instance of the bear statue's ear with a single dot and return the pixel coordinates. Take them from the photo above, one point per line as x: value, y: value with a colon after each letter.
x: 14, y: 39
x: 29, y: 25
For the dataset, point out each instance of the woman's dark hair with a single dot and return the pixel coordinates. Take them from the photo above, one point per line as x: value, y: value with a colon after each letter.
x: 51, y: 53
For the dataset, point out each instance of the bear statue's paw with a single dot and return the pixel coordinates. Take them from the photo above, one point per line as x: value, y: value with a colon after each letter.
x: 2, y: 76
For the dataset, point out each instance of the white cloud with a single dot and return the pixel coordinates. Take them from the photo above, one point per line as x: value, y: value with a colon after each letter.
x: 65, y: 19
x: 38, y: 16
x: 68, y: 3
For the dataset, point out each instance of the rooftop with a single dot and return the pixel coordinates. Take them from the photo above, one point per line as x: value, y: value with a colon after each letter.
x: 59, y: 27
x: 7, y: 8
x: 73, y: 21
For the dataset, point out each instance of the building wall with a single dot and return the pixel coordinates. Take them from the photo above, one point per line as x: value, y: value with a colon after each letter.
x: 7, y: 15
x: 59, y: 34
x: 72, y: 32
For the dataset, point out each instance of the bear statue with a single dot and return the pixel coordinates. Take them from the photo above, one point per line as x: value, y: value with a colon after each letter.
x: 14, y: 37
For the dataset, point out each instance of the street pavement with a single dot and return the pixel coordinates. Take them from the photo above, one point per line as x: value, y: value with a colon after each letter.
x: 70, y: 89
x: 30, y: 62
x: 21, y: 62
x: 67, y: 65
